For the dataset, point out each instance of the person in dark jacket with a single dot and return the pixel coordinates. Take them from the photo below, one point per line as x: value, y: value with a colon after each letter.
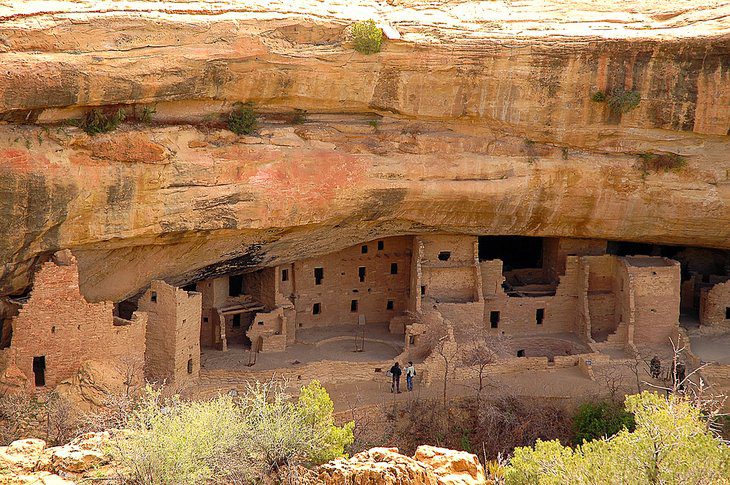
x: 395, y: 372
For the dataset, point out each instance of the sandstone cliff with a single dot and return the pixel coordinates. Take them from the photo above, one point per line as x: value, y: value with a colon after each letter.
x: 479, y: 119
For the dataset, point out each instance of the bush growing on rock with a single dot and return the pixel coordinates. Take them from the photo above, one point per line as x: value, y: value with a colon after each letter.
x: 661, y: 162
x: 671, y: 445
x: 367, y: 38
x: 618, y: 100
x: 242, y: 120
x: 97, y: 121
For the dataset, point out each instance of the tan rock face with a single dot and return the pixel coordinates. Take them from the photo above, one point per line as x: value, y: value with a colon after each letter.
x: 482, y: 128
x: 378, y: 465
x: 453, y: 467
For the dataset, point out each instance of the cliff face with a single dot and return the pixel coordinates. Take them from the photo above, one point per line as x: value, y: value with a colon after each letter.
x: 479, y: 120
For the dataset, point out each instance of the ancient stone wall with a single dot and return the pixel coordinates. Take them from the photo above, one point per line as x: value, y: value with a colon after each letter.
x: 343, y: 283
x: 449, y: 268
x: 262, y: 286
x: 173, y: 333
x: 655, y: 286
x: 214, y: 292
x: 511, y: 315
x: 556, y: 250
x: 715, y: 305
x: 58, y: 324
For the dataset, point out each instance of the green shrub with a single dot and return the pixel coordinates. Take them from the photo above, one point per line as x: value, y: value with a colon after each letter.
x: 619, y: 100
x: 299, y: 117
x: 228, y: 441
x: 242, y: 120
x: 661, y: 162
x: 600, y: 420
x: 97, y: 121
x: 671, y: 445
x: 147, y: 113
x: 367, y: 37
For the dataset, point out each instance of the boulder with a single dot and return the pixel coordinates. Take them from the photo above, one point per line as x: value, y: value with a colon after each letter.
x: 377, y: 466
x: 452, y: 467
x: 73, y: 459
x: 21, y: 455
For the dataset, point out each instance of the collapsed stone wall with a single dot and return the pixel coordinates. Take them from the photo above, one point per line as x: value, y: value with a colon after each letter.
x: 58, y: 324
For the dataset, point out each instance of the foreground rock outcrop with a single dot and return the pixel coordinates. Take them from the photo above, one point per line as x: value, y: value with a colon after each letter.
x: 29, y: 461
x: 429, y: 466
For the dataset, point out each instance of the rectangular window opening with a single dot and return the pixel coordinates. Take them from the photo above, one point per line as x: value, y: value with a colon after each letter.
x: 39, y: 369
x: 316, y: 309
x: 361, y: 273
x: 390, y: 305
x: 727, y: 313
x: 190, y: 366
x: 381, y: 245
x: 444, y: 255
x: 521, y: 353
x: 284, y: 275
x: 236, y: 320
x: 318, y: 275
x: 423, y: 290
x: 393, y: 268
x: 235, y: 285
x: 494, y: 319
x: 539, y: 315
x: 153, y: 297
x: 412, y: 340
x: 364, y: 249
x: 353, y: 306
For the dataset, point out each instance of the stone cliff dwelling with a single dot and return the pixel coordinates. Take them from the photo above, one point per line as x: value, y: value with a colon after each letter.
x: 557, y: 299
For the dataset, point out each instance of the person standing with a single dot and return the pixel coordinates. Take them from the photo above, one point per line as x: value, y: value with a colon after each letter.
x: 655, y: 366
x: 410, y: 374
x: 395, y: 372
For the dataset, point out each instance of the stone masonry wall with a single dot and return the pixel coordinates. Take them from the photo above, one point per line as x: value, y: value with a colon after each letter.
x: 453, y: 277
x: 715, y: 305
x: 173, y: 333
x: 655, y: 283
x: 341, y: 284
x: 57, y: 322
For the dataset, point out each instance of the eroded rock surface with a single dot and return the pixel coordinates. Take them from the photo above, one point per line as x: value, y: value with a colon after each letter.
x: 478, y: 120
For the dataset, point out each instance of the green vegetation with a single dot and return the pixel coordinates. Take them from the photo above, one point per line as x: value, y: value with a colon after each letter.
x: 600, y: 420
x: 147, y: 113
x: 242, y: 120
x: 97, y: 121
x: 374, y: 123
x: 367, y: 37
x: 619, y: 100
x: 670, y: 445
x: 227, y: 440
x: 299, y: 117
x: 661, y: 162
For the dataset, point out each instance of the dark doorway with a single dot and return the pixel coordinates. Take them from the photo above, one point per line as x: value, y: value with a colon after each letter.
x: 539, y: 315
x: 235, y: 285
x: 353, y: 306
x: 236, y: 322
x: 190, y: 287
x: 516, y: 252
x: 318, y: 275
x: 39, y: 369
x: 361, y: 273
x: 727, y: 313
x: 494, y: 319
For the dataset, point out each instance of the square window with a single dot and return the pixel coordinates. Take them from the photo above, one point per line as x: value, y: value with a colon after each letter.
x: 381, y: 245
x: 284, y: 275
x: 318, y: 275
x: 389, y: 305
x: 521, y: 353
x: 353, y: 306
x: 316, y: 309
x: 393, y: 268
x: 364, y: 249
